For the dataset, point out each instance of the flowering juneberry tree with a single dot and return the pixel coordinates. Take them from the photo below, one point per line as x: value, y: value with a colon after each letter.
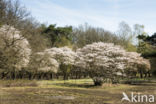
x: 45, y: 62
x: 15, y: 50
x: 65, y: 57
x: 101, y: 60
x: 136, y: 64
x: 54, y: 59
x: 105, y: 61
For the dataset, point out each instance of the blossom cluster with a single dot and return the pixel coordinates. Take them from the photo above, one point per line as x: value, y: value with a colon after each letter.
x: 51, y: 59
x: 109, y: 59
x: 14, y: 47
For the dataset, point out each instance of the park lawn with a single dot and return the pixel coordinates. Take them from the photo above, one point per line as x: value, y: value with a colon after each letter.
x: 68, y: 92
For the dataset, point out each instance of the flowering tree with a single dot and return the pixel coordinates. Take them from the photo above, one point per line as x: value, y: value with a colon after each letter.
x: 106, y: 61
x: 101, y: 60
x: 54, y: 59
x: 14, y: 49
x: 45, y: 62
x: 136, y: 64
x: 144, y: 67
x: 65, y: 57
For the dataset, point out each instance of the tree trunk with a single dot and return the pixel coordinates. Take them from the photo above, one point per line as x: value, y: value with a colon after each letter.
x: 98, y: 81
x: 141, y: 74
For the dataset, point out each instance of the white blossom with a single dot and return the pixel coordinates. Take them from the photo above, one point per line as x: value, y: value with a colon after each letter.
x: 63, y: 55
x: 103, y: 58
x: 108, y: 59
x: 45, y: 62
x: 135, y: 62
x: 51, y: 59
x: 14, y: 47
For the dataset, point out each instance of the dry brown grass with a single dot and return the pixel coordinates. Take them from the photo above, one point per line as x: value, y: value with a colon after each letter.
x: 56, y: 92
x: 17, y: 83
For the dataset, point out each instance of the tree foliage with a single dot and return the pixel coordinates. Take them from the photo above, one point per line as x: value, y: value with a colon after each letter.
x: 59, y: 36
x: 86, y: 34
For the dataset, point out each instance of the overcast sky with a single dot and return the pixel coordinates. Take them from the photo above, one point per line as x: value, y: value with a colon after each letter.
x: 100, y: 13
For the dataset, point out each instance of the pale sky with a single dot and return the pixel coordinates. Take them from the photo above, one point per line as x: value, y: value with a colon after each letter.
x: 99, y: 13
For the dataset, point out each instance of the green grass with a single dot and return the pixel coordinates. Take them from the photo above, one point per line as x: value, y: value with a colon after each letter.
x: 69, y: 92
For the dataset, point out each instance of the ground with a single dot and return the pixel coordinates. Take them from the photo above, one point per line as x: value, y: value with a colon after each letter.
x: 68, y: 92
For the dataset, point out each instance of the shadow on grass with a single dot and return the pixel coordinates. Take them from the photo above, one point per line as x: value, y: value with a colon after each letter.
x: 144, y: 84
x: 74, y: 85
x: 87, y: 85
x: 139, y: 82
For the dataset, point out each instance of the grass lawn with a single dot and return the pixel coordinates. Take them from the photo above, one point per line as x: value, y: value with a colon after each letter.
x: 68, y: 92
